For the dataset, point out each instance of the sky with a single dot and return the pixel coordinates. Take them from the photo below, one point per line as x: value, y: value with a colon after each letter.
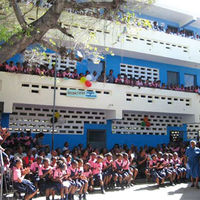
x: 190, y: 6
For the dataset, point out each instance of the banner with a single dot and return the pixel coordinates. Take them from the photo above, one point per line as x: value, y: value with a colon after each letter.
x: 81, y: 93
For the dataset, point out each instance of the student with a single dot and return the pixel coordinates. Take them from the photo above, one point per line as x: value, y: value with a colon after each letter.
x: 21, y: 184
x: 75, y: 75
x: 73, y: 175
x: 19, y: 67
x: 35, y: 168
x: 107, y: 170
x: 94, y: 76
x: 58, y: 175
x: 46, y: 174
x: 153, y: 164
x: 110, y: 78
x: 118, y: 170
x: 126, y: 80
x: 119, y: 80
x: 101, y: 77
x: 139, y: 82
x: 67, y: 73
x: 12, y: 68
x: 89, y: 177
x: 127, y: 174
x: 97, y: 172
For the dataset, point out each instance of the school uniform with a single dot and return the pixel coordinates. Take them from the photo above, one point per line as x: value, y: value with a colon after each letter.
x: 107, y: 170
x: 56, y: 185
x: 153, y: 171
x: 35, y: 169
x: 45, y: 182
x: 118, y: 166
x: 25, y: 186
x: 126, y: 168
x: 72, y: 174
x: 97, y: 171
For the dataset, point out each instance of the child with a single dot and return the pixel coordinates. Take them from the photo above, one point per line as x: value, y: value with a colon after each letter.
x: 58, y: 176
x: 20, y: 184
x: 107, y: 169
x: 118, y: 169
x: 46, y: 174
x: 119, y: 80
x: 97, y: 172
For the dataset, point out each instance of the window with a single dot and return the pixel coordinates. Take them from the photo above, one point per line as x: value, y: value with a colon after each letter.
x: 172, y: 78
x: 190, y: 80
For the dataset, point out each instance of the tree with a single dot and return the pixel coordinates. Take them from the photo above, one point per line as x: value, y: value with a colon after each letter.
x: 18, y: 29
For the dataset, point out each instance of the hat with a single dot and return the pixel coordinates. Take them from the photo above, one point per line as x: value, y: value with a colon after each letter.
x: 108, y: 154
x: 100, y: 156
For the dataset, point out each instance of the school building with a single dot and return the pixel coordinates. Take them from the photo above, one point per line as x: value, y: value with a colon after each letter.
x: 114, y: 113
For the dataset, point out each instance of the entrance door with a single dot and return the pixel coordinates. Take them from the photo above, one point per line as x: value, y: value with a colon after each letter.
x: 176, y: 136
x: 97, y: 138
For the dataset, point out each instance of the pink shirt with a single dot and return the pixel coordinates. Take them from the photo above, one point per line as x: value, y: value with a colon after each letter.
x: 117, y: 163
x: 72, y: 172
x: 35, y: 166
x: 58, y: 173
x: 17, y: 174
x: 67, y: 74
x: 126, y: 164
x: 87, y: 174
x: 92, y: 163
x: 97, y: 168
x: 43, y: 168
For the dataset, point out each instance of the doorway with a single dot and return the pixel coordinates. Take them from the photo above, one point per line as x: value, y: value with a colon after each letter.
x: 176, y: 136
x: 96, y: 138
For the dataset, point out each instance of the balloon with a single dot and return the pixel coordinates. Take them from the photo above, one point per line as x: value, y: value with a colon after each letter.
x: 146, y: 119
x: 57, y: 115
x: 143, y: 124
x: 89, y: 77
x: 88, y: 83
x: 148, y: 124
x: 83, y: 79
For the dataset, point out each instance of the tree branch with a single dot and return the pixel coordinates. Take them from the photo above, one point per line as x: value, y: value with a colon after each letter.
x: 61, y: 50
x: 18, y: 14
x: 63, y: 30
x: 112, y: 4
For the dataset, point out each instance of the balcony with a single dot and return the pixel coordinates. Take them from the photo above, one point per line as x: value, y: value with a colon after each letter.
x: 111, y: 98
x: 133, y: 42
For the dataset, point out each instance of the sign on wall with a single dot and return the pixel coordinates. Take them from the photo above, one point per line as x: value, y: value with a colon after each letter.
x: 81, y: 93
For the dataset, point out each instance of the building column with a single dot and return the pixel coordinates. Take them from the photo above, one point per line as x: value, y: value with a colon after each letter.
x: 5, y: 120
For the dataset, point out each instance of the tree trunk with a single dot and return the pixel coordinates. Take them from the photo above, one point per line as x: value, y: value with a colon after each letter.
x: 19, y: 42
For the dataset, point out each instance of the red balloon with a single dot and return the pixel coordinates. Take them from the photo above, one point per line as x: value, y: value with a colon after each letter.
x: 148, y: 124
x: 88, y: 83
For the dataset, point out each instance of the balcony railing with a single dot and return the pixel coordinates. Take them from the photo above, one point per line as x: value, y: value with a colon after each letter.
x: 113, y: 98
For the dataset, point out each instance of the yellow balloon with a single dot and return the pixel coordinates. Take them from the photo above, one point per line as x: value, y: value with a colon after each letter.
x: 57, y: 114
x: 83, y: 79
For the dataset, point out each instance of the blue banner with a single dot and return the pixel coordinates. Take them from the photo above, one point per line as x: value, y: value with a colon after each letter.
x: 81, y: 93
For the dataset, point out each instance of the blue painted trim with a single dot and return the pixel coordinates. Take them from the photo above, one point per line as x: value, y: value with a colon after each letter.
x: 189, y: 23
x: 174, y: 128
x: 5, y: 120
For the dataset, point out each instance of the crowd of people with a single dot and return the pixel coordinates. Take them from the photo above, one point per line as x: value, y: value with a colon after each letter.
x: 43, y: 70
x: 65, y: 172
x: 154, y: 25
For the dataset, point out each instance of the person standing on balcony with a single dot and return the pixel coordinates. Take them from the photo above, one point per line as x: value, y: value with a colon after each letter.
x: 94, y: 76
x: 193, y: 154
x: 101, y: 77
x: 110, y: 77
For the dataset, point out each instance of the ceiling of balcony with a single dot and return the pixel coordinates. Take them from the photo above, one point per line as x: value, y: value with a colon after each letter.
x: 174, y: 14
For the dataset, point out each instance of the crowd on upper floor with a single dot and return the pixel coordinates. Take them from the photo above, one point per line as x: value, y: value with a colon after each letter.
x: 169, y: 29
x: 43, y: 70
